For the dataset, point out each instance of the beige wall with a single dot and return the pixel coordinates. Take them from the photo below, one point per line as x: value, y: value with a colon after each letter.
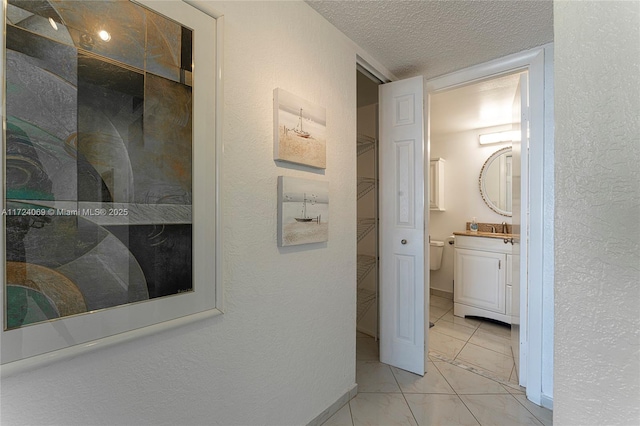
x: 597, y: 228
x: 285, y: 348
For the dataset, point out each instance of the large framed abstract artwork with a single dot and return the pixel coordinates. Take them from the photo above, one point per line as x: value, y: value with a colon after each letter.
x: 109, y: 214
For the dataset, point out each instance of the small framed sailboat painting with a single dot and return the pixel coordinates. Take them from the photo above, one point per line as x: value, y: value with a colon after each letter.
x: 303, y: 211
x: 299, y: 130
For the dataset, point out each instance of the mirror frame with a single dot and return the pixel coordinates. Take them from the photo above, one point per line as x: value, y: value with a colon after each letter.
x: 481, y: 185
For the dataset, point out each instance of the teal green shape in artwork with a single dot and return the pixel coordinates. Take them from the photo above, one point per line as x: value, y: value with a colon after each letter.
x: 27, y: 306
x: 28, y: 194
x: 15, y: 129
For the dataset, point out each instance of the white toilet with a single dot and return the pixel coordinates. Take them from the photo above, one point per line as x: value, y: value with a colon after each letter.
x: 435, y: 254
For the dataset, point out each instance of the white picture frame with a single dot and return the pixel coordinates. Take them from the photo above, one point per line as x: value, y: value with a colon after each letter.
x: 41, y: 343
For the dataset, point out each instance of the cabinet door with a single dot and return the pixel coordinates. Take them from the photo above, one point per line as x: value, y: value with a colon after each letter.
x: 436, y: 184
x: 433, y: 190
x: 480, y: 279
x: 509, y: 269
x: 508, y: 282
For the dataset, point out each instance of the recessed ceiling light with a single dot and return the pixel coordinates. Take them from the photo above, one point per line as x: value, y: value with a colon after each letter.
x: 104, y: 35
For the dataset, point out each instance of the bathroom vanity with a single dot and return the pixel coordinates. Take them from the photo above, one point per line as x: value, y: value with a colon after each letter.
x: 482, y: 275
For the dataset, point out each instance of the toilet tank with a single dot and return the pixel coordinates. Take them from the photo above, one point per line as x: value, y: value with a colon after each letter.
x: 435, y: 254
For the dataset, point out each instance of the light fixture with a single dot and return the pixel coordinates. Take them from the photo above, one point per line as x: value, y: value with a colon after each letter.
x: 53, y: 24
x: 508, y: 136
x: 104, y: 35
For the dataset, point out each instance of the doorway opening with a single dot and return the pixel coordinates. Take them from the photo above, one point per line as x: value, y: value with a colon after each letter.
x: 475, y: 291
x: 367, y: 325
x: 455, y: 338
x: 532, y: 309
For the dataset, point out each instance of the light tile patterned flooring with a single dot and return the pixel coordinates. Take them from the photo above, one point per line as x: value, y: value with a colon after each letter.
x: 470, y: 380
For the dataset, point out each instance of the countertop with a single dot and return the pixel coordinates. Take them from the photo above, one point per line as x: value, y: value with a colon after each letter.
x: 486, y: 234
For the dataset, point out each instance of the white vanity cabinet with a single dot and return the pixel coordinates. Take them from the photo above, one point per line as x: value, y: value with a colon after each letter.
x: 482, y: 278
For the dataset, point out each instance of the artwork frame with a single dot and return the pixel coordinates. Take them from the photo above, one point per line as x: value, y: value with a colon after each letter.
x: 299, y: 130
x: 303, y: 211
x: 44, y: 342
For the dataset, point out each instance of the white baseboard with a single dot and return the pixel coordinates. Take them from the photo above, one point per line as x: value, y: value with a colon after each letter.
x: 441, y: 293
x: 333, y: 408
x: 546, y: 401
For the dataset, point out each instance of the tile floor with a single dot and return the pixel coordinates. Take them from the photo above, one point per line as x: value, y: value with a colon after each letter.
x: 470, y: 380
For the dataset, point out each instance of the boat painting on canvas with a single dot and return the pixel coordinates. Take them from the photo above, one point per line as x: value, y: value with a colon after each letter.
x: 299, y: 130
x: 303, y: 211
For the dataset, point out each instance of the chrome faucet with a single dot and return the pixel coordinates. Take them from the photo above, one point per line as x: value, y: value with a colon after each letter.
x: 493, y: 229
x: 505, y: 229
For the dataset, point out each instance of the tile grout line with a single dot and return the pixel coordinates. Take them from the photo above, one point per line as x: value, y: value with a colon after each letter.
x: 469, y: 366
x: 455, y: 358
x: 525, y: 407
x: 499, y: 383
x: 505, y: 385
x: 457, y: 394
x: 403, y: 395
x: 529, y: 411
x: 489, y: 349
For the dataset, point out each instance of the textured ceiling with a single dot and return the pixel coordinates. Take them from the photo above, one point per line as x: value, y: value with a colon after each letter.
x: 433, y: 38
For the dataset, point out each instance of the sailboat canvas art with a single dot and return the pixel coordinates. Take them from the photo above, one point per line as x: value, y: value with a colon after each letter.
x: 303, y: 211
x: 299, y: 130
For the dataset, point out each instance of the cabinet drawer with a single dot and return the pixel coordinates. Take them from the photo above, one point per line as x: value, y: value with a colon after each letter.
x: 483, y: 243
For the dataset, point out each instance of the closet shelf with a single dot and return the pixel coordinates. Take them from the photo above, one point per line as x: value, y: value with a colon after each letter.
x: 365, y: 225
x: 365, y: 144
x: 366, y: 299
x: 365, y: 185
x: 366, y: 264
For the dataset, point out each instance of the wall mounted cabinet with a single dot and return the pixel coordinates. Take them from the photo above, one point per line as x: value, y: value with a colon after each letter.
x: 436, y: 184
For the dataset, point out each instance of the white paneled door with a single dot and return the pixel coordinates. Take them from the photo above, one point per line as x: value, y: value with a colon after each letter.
x: 402, y: 225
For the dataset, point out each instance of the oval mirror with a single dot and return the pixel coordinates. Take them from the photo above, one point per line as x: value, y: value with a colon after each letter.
x: 495, y: 181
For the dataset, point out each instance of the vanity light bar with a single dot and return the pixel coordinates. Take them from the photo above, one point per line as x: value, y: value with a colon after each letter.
x: 509, y: 136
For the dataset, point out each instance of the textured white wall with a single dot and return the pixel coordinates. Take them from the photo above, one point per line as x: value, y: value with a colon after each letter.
x: 597, y: 231
x: 285, y: 348
x: 464, y: 159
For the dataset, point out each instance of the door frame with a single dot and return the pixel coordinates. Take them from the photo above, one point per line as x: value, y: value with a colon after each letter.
x: 531, y: 299
x: 539, y: 62
x: 375, y: 71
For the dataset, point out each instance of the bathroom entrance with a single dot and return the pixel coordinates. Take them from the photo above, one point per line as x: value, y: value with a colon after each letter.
x: 475, y: 132
x: 531, y: 320
x: 452, y: 333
